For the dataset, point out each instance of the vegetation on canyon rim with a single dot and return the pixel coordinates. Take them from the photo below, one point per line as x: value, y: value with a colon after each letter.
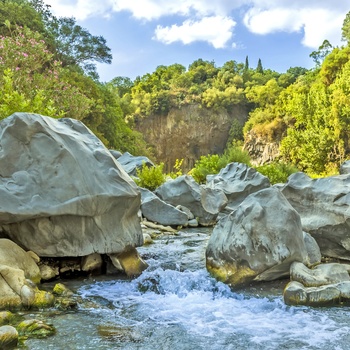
x: 47, y: 66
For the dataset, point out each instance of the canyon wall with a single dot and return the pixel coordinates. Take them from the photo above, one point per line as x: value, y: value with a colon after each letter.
x: 188, y: 133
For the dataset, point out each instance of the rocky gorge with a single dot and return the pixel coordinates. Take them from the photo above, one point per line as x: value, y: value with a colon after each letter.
x: 68, y: 205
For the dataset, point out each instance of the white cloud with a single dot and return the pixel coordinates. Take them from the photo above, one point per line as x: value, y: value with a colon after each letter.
x: 80, y: 9
x: 142, y: 9
x: 215, y: 30
x: 317, y: 24
x: 315, y: 19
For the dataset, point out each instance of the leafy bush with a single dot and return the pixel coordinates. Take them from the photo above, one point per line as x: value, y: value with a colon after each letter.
x: 204, y: 166
x: 177, y: 171
x: 234, y: 153
x: 150, y: 177
x: 277, y: 172
x: 212, y: 164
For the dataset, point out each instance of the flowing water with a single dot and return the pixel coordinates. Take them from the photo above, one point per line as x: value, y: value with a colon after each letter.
x: 176, y: 305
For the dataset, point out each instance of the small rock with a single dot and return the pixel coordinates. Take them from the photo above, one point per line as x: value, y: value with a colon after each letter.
x: 48, y: 272
x: 91, y: 262
x: 62, y: 290
x: 34, y: 256
x: 8, y: 337
x: 313, y: 250
x: 6, y: 317
x: 193, y: 223
x: 130, y: 261
x: 147, y: 239
x: 35, y: 328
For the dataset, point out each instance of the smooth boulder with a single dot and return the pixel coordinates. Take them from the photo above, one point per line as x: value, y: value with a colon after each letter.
x: 324, y: 208
x: 258, y: 241
x: 62, y: 193
x: 156, y: 210
x: 13, y: 255
x: 237, y: 181
x: 8, y: 337
x: 132, y: 163
x: 205, y: 203
x: 326, y: 284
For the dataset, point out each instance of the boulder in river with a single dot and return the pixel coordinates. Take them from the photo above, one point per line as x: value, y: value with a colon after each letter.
x: 237, y: 181
x: 324, y: 207
x: 326, y: 284
x: 205, y: 203
x: 13, y: 255
x: 62, y: 193
x: 156, y: 210
x: 258, y: 241
x: 8, y: 337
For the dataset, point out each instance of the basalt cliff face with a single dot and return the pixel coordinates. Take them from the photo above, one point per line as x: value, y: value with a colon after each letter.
x: 262, y: 150
x: 188, y: 133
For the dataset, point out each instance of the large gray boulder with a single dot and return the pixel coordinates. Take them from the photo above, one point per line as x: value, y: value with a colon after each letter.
x: 324, y: 208
x: 258, y: 241
x: 156, y: 210
x: 205, y: 203
x: 238, y: 181
x: 61, y: 191
x: 131, y: 163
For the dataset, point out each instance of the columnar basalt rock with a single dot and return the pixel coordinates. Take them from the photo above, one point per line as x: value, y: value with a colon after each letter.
x: 61, y: 191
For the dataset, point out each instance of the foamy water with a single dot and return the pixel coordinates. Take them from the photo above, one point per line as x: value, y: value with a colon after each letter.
x: 176, y: 305
x: 204, y: 308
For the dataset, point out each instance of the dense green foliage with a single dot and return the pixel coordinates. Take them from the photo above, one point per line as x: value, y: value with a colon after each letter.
x: 47, y: 66
x: 212, y: 164
x: 277, y: 172
x: 150, y: 177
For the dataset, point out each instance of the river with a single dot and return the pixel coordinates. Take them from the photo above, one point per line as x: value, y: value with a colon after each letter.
x: 176, y: 305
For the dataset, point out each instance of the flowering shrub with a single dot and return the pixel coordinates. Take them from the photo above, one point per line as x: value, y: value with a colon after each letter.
x: 32, y: 81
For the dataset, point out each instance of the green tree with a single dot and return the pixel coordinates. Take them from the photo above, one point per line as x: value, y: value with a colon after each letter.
x: 20, y: 13
x: 259, y: 67
x: 246, y: 66
x: 76, y: 46
x: 319, y: 55
x: 346, y: 28
x: 32, y: 69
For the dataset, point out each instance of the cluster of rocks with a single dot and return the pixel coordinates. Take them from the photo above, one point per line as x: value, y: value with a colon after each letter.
x: 64, y: 197
x: 265, y: 231
x: 73, y: 205
x: 283, y: 228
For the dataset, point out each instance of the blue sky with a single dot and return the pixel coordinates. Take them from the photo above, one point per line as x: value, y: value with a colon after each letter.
x: 144, y: 34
